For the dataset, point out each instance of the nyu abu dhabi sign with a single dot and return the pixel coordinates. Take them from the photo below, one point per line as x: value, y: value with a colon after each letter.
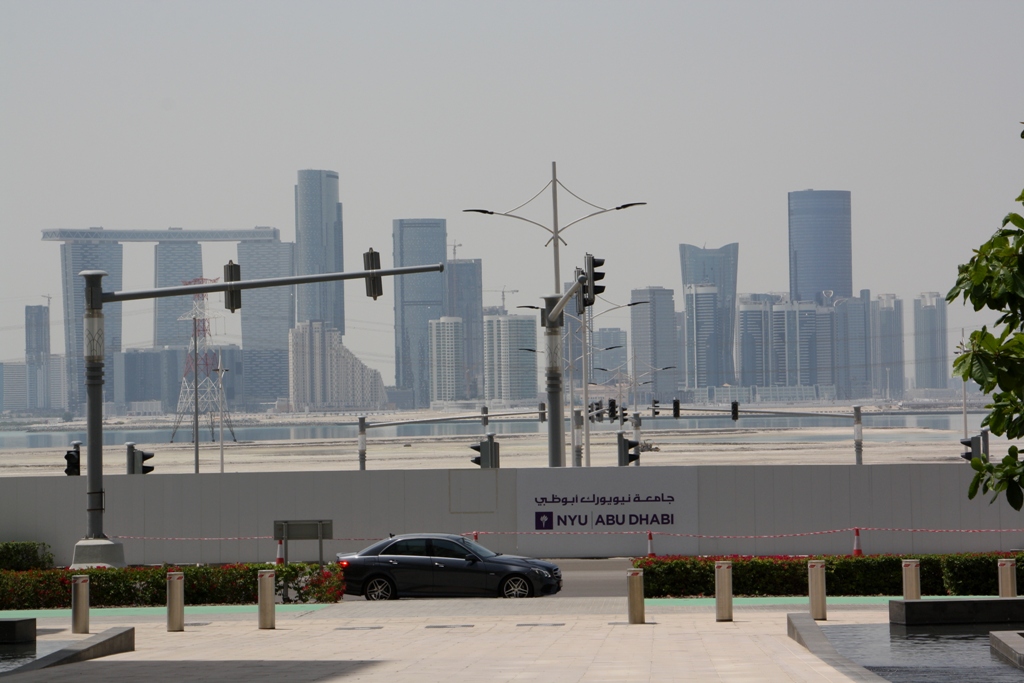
x: 604, y: 510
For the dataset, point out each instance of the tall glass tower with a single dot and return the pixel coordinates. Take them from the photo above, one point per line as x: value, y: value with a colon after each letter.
x: 419, y: 299
x: 318, y: 248
x: 820, y: 245
x: 716, y: 267
x: 931, y: 350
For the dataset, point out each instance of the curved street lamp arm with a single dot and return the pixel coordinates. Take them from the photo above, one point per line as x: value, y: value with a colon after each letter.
x: 598, y: 213
x: 510, y: 215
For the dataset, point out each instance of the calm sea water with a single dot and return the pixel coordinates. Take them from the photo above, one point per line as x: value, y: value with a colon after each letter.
x: 877, y: 428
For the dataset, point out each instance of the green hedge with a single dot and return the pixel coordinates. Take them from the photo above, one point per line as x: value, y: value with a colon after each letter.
x: 22, y: 556
x: 962, y: 574
x: 147, y: 586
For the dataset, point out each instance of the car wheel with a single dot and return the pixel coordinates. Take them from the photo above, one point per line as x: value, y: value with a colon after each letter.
x: 515, y: 587
x: 380, y: 588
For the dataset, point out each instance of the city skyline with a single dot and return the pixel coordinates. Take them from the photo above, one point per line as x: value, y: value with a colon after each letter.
x: 152, y: 142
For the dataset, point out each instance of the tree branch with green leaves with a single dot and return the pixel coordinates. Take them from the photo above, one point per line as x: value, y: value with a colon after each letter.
x: 994, y: 279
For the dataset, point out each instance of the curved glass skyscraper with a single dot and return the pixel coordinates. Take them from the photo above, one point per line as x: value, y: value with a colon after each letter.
x: 819, y: 245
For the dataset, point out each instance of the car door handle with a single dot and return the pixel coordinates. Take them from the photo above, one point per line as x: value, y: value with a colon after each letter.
x: 393, y: 561
x: 438, y: 564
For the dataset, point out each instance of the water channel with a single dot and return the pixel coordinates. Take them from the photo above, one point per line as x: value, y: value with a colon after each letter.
x: 877, y: 428
x: 937, y: 655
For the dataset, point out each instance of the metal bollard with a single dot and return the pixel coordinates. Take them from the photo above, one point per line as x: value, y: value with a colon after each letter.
x: 1007, y: 577
x: 266, y: 586
x: 635, y: 591
x: 80, y: 604
x: 911, y: 579
x: 816, y: 588
x: 723, y: 590
x: 175, y: 601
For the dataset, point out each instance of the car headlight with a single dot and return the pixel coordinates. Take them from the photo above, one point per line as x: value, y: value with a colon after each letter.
x: 543, y: 572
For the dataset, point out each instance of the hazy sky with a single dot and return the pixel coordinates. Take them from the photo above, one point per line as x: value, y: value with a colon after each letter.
x: 199, y: 114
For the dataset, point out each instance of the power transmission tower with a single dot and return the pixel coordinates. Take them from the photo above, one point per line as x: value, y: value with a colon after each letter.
x: 197, y: 385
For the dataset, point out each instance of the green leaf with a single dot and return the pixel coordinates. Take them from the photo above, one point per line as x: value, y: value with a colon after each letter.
x: 1014, y: 495
x: 1015, y: 219
x: 972, y: 490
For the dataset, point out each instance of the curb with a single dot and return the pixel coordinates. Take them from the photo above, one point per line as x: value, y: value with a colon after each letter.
x: 109, y: 642
x: 804, y: 630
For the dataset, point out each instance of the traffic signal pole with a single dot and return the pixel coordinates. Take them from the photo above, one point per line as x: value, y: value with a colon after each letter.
x: 552, y: 320
x: 96, y: 549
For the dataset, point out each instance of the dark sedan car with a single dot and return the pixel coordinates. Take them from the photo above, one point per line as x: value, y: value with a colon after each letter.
x: 434, y: 565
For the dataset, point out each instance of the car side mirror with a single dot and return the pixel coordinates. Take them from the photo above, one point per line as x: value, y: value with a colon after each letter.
x: 471, y: 558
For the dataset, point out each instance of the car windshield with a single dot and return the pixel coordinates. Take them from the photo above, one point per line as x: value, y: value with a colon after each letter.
x: 478, y: 549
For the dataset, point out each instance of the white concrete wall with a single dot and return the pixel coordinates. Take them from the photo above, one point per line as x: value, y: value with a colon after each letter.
x: 705, y: 500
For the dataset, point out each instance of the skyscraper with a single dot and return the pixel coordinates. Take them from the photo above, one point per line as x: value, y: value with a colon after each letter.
x: 466, y: 301
x: 267, y: 316
x: 820, y: 245
x: 319, y: 248
x: 76, y: 256
x: 703, y: 334
x: 716, y: 267
x: 931, y: 348
x: 887, y: 346
x: 655, y: 343
x: 853, y: 346
x: 99, y: 249
x: 447, y: 360
x: 419, y: 299
x: 510, y: 374
x: 37, y: 357
x: 175, y: 262
x: 754, y: 340
x: 802, y: 340
x: 324, y: 375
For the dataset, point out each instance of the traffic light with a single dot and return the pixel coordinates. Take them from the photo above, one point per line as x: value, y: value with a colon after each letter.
x: 654, y: 408
x: 593, y: 275
x: 675, y: 408
x: 581, y: 293
x: 624, y: 414
x: 973, y: 446
x: 489, y: 453
x: 232, y: 297
x: 599, y: 411
x: 735, y: 410
x: 542, y: 412
x: 613, y: 411
x: 136, y: 460
x: 374, y: 283
x: 74, y: 458
x: 628, y: 450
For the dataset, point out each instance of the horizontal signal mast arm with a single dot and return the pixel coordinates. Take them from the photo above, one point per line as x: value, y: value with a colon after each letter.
x: 109, y: 297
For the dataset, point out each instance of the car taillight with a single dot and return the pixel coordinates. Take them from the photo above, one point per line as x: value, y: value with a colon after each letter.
x: 343, y: 563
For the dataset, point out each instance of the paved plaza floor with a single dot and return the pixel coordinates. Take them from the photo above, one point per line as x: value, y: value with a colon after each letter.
x: 569, y: 639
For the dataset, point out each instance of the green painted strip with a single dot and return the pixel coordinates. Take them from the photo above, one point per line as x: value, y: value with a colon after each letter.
x: 152, y: 611
x: 802, y: 600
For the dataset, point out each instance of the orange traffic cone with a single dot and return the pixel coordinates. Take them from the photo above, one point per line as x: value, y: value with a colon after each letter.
x: 650, y: 544
x: 856, y: 543
x: 280, y: 552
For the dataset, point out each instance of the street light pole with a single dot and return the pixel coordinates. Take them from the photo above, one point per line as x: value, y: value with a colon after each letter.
x: 95, y: 549
x: 220, y: 370
x: 554, y: 223
x: 553, y: 377
x: 556, y: 452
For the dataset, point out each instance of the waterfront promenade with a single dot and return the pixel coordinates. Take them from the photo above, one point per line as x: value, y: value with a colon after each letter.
x: 417, y: 641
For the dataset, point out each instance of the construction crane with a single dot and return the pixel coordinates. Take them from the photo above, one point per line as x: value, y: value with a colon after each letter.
x: 454, y: 246
x: 504, y: 290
